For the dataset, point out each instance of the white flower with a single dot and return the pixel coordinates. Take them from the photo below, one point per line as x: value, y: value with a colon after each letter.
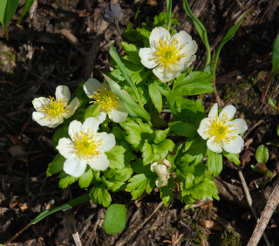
x: 85, y: 146
x: 221, y: 131
x: 108, y: 101
x: 168, y: 56
x: 52, y: 111
x: 162, y: 171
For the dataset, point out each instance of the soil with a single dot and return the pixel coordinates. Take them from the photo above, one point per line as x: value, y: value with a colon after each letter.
x: 66, y: 41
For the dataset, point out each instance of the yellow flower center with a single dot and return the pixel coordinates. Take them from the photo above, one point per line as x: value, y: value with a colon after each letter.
x: 54, y: 108
x: 106, y: 99
x: 221, y: 130
x: 85, y: 145
x: 167, y: 53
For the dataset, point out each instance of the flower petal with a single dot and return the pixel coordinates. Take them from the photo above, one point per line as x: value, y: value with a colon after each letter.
x: 147, y: 57
x: 72, y: 107
x: 91, y: 124
x: 204, y: 125
x: 63, y: 93
x: 74, y: 128
x: 183, y: 38
x: 239, y: 126
x: 227, y: 113
x: 74, y: 167
x: 99, y: 162
x: 39, y: 102
x: 158, y: 33
x: 213, y: 113
x: 117, y: 116
x: 42, y: 120
x: 66, y: 148
x: 234, y: 146
x: 213, y: 146
x: 107, y: 140
x: 91, y: 86
x: 163, y: 75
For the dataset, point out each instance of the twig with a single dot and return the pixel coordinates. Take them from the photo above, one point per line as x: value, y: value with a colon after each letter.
x: 250, y: 202
x: 269, y: 209
x: 124, y: 242
x: 76, y: 238
x: 18, y: 233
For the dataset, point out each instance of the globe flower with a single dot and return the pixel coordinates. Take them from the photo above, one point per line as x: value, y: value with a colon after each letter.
x: 108, y: 101
x: 162, y: 171
x: 221, y: 132
x: 168, y: 56
x: 86, y: 146
x: 51, y: 111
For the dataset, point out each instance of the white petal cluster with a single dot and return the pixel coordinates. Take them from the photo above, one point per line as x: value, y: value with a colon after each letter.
x: 168, y: 55
x: 221, y: 131
x: 86, y: 146
x: 51, y: 111
x: 108, y: 101
x: 162, y: 171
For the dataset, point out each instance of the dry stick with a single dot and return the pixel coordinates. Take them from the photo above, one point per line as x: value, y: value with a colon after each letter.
x: 250, y: 202
x: 139, y: 227
x: 271, y: 205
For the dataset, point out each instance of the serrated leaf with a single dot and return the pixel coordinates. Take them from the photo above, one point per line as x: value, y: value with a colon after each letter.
x: 66, y: 181
x: 116, y: 157
x: 160, y: 135
x: 234, y: 158
x: 56, y: 165
x: 275, y: 56
x: 162, y: 149
x: 100, y: 195
x: 85, y: 179
x: 262, y: 154
x: 155, y: 95
x: 137, y: 185
x: 214, y: 162
x: 195, y: 83
x: 147, y: 153
x: 115, y: 219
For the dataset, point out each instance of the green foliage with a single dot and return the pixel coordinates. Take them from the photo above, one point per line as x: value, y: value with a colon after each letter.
x: 85, y: 180
x: 100, y: 195
x: 115, y: 219
x: 27, y: 6
x: 7, y: 11
x: 139, y: 184
x: 156, y: 96
x: 234, y: 158
x: 275, y: 56
x: 56, y: 165
x: 116, y: 157
x: 66, y: 181
x: 262, y: 154
x: 214, y: 162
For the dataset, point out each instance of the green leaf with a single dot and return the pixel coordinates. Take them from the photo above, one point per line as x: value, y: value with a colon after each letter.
x: 28, y: 4
x: 160, y: 135
x: 85, y: 180
x: 262, y: 154
x: 275, y: 56
x: 147, y: 153
x: 183, y: 129
x: 92, y: 111
x: 115, y: 219
x: 66, y: 206
x: 200, y: 29
x: 66, y: 181
x: 205, y: 190
x: 56, y: 165
x: 277, y: 130
x: 128, y: 102
x: 214, y: 162
x: 195, y: 83
x: 234, y: 158
x: 162, y: 149
x: 228, y: 36
x: 100, y: 195
x: 7, y: 11
x: 155, y: 95
x: 116, y: 157
x: 137, y: 185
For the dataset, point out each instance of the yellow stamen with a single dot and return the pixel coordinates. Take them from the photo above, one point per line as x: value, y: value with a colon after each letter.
x: 221, y: 130
x: 54, y: 108
x: 85, y: 145
x: 106, y: 99
x: 167, y: 53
